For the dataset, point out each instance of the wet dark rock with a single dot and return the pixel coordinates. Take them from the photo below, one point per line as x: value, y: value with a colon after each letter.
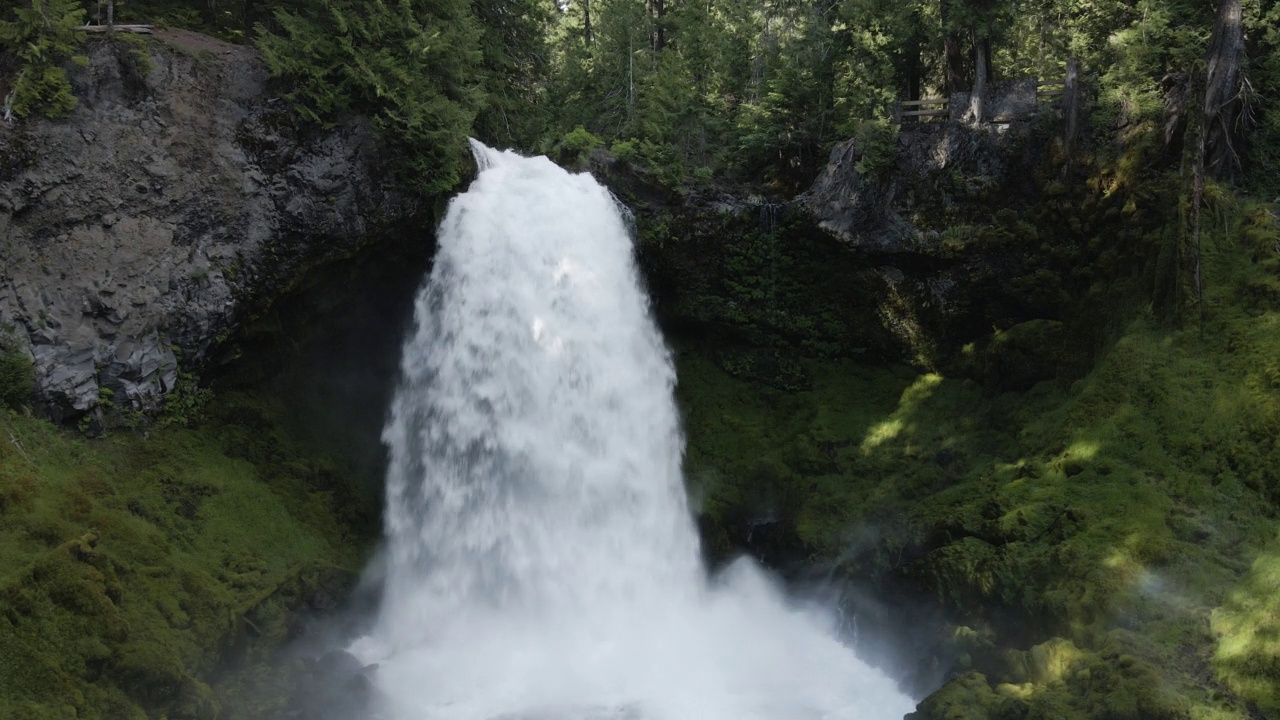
x: 150, y: 223
x: 335, y: 686
x: 944, y: 167
x: 968, y: 254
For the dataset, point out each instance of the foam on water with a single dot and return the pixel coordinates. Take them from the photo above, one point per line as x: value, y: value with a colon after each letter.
x: 542, y: 562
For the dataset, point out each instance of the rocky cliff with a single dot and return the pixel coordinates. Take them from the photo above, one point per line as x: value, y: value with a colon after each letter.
x: 176, y: 201
x: 1062, y: 504
x: 969, y: 252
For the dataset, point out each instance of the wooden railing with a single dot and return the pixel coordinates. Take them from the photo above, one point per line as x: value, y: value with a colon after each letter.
x: 108, y: 29
x: 935, y: 107
x: 1050, y: 89
x: 915, y: 110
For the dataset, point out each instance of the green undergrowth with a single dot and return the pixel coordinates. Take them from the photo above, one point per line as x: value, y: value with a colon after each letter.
x: 1099, y: 548
x: 132, y: 565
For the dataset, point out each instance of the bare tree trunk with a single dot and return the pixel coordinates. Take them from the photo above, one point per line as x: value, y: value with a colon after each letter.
x: 955, y: 65
x: 1070, y: 112
x: 1223, y: 92
x: 913, y: 66
x: 249, y: 6
x: 977, y: 101
x: 1179, y: 106
x: 1222, y: 110
x: 660, y: 23
x: 957, y: 77
x: 1197, y: 203
x: 111, y: 16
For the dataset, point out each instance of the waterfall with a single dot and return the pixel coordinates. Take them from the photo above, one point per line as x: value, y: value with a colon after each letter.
x: 542, y: 563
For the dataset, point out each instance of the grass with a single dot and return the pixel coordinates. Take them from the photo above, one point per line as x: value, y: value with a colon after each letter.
x: 1131, y: 513
x: 129, y: 565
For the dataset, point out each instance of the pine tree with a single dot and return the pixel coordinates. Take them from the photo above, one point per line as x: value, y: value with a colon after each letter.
x: 42, y: 36
x: 414, y: 65
x: 515, y: 69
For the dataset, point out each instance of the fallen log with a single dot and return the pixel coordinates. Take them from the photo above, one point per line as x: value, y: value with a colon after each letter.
x: 103, y: 29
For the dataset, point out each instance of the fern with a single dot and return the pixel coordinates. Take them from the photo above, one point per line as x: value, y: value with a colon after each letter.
x: 43, y: 37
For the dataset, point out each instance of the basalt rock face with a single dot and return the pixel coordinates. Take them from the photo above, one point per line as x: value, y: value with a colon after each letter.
x: 176, y: 201
x: 942, y: 173
x: 969, y: 240
x: 959, y: 236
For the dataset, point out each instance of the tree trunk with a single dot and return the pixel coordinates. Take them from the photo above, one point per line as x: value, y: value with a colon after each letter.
x: 977, y: 100
x: 249, y: 6
x: 1222, y: 111
x: 586, y: 21
x: 955, y: 65
x: 913, y: 66
x: 660, y: 25
x: 1070, y: 111
x: 957, y: 69
x: 1223, y: 97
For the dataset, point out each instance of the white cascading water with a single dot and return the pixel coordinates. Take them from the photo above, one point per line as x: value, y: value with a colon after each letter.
x: 542, y: 561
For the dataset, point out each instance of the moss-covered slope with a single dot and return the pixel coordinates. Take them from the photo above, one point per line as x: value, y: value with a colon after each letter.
x: 132, y: 565
x: 1104, y: 547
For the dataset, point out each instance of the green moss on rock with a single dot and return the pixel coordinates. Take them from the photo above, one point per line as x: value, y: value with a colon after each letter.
x: 17, y: 379
x: 1104, y: 537
x: 1247, y: 628
x: 131, y: 566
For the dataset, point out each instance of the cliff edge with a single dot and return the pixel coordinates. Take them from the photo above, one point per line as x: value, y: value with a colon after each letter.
x: 174, y: 202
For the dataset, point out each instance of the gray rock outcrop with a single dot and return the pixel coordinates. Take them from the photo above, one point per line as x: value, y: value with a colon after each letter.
x: 946, y: 168
x: 175, y: 201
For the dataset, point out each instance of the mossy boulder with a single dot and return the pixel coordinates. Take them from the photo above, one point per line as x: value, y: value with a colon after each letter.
x: 1031, y: 352
x: 1061, y: 683
x: 968, y: 697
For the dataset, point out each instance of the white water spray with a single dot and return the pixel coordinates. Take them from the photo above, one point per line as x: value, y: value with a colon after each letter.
x: 542, y: 561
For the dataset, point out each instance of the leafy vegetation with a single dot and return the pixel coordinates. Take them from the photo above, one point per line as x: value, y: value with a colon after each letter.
x: 42, y: 37
x: 1093, y: 545
x: 744, y: 88
x: 411, y: 64
x: 16, y: 380
x: 131, y: 566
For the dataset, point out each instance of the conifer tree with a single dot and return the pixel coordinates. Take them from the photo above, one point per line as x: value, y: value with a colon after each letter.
x: 42, y: 36
x: 414, y: 65
x: 516, y: 63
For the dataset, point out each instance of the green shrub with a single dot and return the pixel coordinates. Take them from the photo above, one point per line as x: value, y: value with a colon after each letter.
x: 878, y: 142
x: 185, y: 406
x: 16, y: 378
x: 43, y: 36
x: 625, y: 150
x: 409, y: 64
x: 575, y: 147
